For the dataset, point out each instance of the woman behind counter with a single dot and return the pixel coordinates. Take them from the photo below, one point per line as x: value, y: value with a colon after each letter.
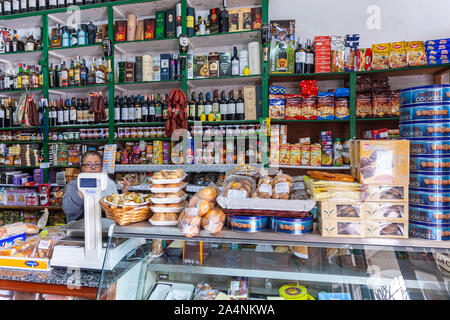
x: 73, y: 200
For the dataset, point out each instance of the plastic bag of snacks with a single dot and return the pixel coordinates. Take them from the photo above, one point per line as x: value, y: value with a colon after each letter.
x: 381, y: 105
x: 325, y: 106
x: 380, y: 56
x: 337, y: 53
x: 351, y: 46
x: 239, y: 187
x: 282, y: 185
x: 213, y: 221
x: 394, y: 103
x: 189, y: 222
x: 364, y: 106
x: 415, y: 53
x: 309, y: 108
x: 203, y: 291
x: 204, y: 200
x: 397, y: 55
x: 264, y: 189
x: 341, y: 101
x: 277, y: 103
x: 293, y: 106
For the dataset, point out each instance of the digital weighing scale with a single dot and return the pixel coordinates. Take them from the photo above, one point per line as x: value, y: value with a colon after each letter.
x: 89, y: 254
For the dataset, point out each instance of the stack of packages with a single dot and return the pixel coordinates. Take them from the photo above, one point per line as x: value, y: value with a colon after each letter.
x: 438, y: 51
x: 381, y: 169
x: 278, y: 137
x: 424, y: 120
x: 322, y: 49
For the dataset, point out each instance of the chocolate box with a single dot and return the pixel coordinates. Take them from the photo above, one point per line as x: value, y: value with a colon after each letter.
x: 380, y: 161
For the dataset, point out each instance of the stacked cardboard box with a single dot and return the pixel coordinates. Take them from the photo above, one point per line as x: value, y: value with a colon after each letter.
x: 322, y: 50
x: 382, y: 169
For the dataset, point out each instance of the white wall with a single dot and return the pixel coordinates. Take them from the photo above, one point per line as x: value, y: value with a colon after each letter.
x: 400, y: 20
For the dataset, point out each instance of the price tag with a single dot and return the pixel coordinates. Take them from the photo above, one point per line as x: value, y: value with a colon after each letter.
x: 109, y: 158
x: 44, y: 165
x: 282, y: 188
x: 237, y: 194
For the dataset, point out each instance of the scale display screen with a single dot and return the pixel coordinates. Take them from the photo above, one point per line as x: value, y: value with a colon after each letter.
x: 88, y: 183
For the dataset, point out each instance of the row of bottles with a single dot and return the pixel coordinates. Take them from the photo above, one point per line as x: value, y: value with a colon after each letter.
x: 217, y: 21
x: 21, y: 6
x: 142, y: 108
x: 74, y: 111
x: 10, y: 42
x: 215, y: 108
x: 24, y: 77
x: 78, y: 74
x: 304, y: 58
x: 63, y: 36
x: 8, y: 112
x: 286, y: 58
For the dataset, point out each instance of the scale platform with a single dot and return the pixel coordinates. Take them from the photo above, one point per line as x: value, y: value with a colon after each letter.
x: 70, y: 252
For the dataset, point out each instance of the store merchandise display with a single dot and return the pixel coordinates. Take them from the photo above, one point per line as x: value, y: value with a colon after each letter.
x: 21, y: 77
x: 20, y: 178
x: 375, y: 99
x: 423, y: 120
x: 437, y: 51
x: 384, y: 133
x: 11, y: 114
x: 20, y: 155
x: 10, y: 42
x: 14, y: 216
x: 83, y: 34
x: 78, y: 73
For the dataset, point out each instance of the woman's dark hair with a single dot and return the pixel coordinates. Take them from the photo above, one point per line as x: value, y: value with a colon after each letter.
x: 90, y: 153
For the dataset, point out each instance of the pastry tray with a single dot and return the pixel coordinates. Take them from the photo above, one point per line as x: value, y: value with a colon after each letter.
x: 168, y: 200
x: 167, y: 190
x: 163, y: 223
x: 168, y: 181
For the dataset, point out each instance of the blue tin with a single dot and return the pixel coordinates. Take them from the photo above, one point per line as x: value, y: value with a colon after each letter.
x: 440, y: 232
x: 429, y: 215
x: 293, y: 226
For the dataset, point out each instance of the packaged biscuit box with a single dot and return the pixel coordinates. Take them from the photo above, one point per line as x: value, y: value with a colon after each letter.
x: 295, y: 155
x: 285, y: 154
x: 397, y: 55
x: 380, y: 192
x: 345, y: 228
x: 380, y: 161
x: 316, y: 155
x: 388, y: 211
x: 336, y: 210
x: 380, y: 56
x: 386, y: 229
x: 415, y: 53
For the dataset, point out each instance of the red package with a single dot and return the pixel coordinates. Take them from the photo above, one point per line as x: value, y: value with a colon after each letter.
x: 368, y: 60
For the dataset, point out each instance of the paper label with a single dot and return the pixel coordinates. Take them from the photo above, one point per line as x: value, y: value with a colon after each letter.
x: 237, y: 194
x: 282, y: 188
x: 265, y: 188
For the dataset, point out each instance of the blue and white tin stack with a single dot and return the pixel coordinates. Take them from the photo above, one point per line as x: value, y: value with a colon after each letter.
x: 425, y: 121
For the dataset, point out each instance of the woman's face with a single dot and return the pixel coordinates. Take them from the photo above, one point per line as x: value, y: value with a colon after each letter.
x: 92, y: 164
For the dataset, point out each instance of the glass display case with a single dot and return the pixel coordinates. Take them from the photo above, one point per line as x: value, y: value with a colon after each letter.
x: 268, y: 265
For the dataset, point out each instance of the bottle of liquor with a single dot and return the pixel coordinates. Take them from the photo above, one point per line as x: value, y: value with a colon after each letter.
x: 72, y: 112
x: 91, y: 75
x: 309, y: 58
x: 52, y: 4
x: 69, y: 3
x: 138, y: 110
x: 117, y: 109
x: 208, y: 25
x: 235, y: 67
x: 77, y: 73
x: 151, y: 109
x: 86, y: 117
x: 131, y: 109
x: 124, y: 109
x: 15, y: 6
x: 79, y: 112
x: 53, y: 116
x: 144, y: 109
x: 231, y: 106
x: 197, y: 26
x: 224, y: 26
x: 7, y: 7
x: 165, y: 107
x: 42, y: 5
x: 23, y: 6
x: 2, y: 116
x: 192, y: 111
x: 61, y: 3
x: 66, y: 109
x: 158, y: 109
x: 71, y: 74
x: 32, y: 5
x: 26, y: 78
x: 216, y: 106
x: 240, y: 107
x: 82, y: 35
x: 208, y: 107
x: 223, y: 106
x: 8, y: 118
x: 282, y: 59
x: 300, y: 58
x: 64, y: 76
x: 190, y: 21
x: 200, y: 106
x: 60, y: 114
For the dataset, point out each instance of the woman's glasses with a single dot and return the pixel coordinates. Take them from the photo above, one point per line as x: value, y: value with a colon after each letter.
x: 91, y: 165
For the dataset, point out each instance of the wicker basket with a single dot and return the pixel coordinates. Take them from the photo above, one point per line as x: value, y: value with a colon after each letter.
x: 127, y: 214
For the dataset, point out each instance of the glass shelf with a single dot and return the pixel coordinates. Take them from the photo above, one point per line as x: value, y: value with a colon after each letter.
x: 225, y: 39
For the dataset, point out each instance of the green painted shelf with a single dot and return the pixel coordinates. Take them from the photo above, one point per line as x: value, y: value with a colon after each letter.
x: 291, y: 121
x: 19, y: 128
x: 140, y: 124
x: 378, y: 119
x: 77, y: 141
x: 89, y: 126
x: 142, y: 139
x: 224, y: 122
x: 76, y: 47
x: 21, y: 142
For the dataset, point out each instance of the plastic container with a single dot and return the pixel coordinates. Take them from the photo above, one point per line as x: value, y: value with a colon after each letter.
x: 429, y: 215
x: 293, y: 226
x: 167, y: 190
x: 247, y: 223
x: 438, y: 146
x: 163, y: 223
x: 168, y: 200
x: 425, y: 94
x: 439, y: 232
x: 167, y: 209
x: 294, y: 292
x: 168, y: 181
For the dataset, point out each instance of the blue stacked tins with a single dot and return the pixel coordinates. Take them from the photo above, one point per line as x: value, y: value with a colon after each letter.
x: 425, y: 121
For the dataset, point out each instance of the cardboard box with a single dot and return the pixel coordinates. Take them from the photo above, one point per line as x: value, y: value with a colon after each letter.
x: 250, y: 103
x: 341, y: 228
x: 170, y: 27
x: 389, y: 211
x: 233, y: 20
x: 381, y: 161
x: 386, y: 229
x: 384, y: 193
x: 283, y: 134
x: 201, y: 69
x: 225, y: 64
x: 285, y: 154
x: 165, y: 66
x: 338, y: 210
x: 156, y: 72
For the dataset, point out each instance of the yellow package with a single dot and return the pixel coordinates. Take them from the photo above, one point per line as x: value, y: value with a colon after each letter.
x: 380, y: 56
x: 316, y: 155
x: 295, y: 155
x: 285, y: 153
x: 397, y: 55
x: 158, y: 152
x: 415, y: 53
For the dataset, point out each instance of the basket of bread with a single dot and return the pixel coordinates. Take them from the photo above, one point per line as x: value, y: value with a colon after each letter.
x: 264, y: 195
x: 168, y: 197
x: 202, y: 212
x: 127, y: 208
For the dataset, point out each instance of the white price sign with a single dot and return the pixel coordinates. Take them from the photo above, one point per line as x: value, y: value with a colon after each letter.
x: 109, y: 158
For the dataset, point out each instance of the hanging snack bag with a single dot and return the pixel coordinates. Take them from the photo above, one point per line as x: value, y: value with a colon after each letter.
x: 380, y: 56
x: 397, y: 55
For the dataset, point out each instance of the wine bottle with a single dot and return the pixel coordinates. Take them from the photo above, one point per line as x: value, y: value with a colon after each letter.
x: 240, y: 107
x: 223, y: 106
x: 231, y: 107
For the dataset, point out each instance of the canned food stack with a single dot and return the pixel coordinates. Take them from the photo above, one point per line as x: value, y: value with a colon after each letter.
x: 425, y: 121
x: 168, y: 198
